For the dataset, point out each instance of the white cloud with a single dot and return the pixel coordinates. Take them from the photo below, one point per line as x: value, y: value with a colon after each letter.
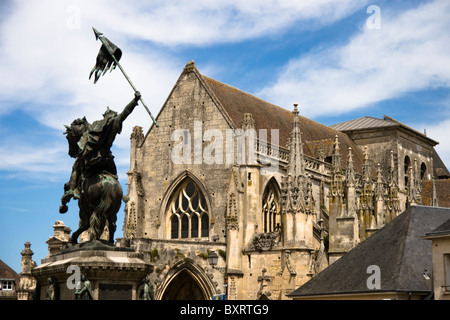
x: 205, y: 22
x: 47, y: 49
x: 440, y: 132
x: 408, y: 53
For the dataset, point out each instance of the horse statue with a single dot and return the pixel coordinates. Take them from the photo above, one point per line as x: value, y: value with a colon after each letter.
x: 94, y: 181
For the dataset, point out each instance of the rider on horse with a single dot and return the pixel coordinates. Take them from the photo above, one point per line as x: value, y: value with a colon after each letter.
x: 91, y: 145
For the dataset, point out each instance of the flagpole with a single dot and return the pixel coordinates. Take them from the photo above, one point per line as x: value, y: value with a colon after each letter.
x: 99, y: 36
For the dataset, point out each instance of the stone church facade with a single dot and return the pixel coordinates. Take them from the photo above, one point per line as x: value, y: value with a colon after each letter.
x: 276, y: 196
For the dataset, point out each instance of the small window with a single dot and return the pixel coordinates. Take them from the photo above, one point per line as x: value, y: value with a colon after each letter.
x: 407, y: 164
x: 7, y: 285
x: 423, y: 170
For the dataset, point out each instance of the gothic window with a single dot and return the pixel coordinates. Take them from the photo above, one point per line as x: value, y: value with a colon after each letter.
x: 406, y: 168
x: 188, y: 212
x: 423, y: 170
x: 270, y: 208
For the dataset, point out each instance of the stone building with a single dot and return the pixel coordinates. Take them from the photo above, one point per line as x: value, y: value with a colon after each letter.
x: 9, y: 282
x: 275, y: 196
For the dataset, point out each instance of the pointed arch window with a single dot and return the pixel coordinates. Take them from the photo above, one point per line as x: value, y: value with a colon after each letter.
x: 188, y: 212
x: 271, y: 208
x: 407, y: 164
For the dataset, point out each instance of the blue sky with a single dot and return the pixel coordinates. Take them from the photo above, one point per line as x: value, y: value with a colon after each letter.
x: 320, y: 54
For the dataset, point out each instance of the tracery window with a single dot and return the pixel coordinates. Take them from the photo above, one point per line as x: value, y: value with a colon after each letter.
x: 189, y: 213
x: 270, y: 208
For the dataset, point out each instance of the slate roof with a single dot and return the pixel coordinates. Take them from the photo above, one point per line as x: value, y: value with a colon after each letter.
x: 442, y: 230
x: 364, y: 123
x: 372, y: 122
x: 268, y: 116
x: 399, y: 251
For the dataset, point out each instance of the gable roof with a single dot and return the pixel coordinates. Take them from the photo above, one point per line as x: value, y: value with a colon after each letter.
x: 315, y: 136
x: 6, y: 272
x: 397, y: 249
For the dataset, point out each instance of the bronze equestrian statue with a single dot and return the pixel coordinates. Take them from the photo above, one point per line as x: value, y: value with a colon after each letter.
x: 94, y: 182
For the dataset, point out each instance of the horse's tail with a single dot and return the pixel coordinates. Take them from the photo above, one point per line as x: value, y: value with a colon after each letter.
x: 110, y: 202
x: 98, y: 217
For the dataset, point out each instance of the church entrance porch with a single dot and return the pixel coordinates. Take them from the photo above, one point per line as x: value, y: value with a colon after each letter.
x: 186, y: 281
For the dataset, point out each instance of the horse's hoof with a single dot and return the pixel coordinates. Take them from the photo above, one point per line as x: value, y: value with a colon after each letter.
x: 63, y: 208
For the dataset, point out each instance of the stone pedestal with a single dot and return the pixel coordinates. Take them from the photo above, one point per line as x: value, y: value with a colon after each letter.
x: 114, y: 273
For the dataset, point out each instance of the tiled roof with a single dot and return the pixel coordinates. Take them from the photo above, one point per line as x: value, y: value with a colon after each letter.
x: 315, y: 136
x: 398, y: 249
x: 442, y: 192
x: 7, y: 273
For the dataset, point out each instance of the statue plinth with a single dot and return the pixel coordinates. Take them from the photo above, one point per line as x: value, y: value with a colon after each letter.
x: 114, y: 273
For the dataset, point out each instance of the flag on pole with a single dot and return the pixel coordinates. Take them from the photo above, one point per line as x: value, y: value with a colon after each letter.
x: 105, y: 61
x: 108, y: 58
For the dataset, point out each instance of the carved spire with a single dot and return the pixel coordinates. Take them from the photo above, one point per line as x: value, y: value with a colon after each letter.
x: 296, y: 166
x: 298, y: 203
x: 434, y: 199
x: 295, y: 186
x: 247, y: 121
x: 366, y: 165
x: 367, y: 197
x: 350, y: 173
x: 137, y: 135
x: 379, y: 185
x: 411, y: 191
x: 417, y: 187
x: 337, y: 178
x: 392, y: 201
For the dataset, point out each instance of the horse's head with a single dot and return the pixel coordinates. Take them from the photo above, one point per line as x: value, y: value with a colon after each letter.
x: 73, y: 135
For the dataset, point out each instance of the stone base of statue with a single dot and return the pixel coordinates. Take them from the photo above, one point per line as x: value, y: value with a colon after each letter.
x: 91, y: 270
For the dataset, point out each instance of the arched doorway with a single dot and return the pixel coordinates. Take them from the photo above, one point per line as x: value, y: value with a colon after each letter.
x: 183, y: 287
x: 186, y: 281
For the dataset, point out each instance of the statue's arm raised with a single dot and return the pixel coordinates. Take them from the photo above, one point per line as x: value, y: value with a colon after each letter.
x: 130, y: 107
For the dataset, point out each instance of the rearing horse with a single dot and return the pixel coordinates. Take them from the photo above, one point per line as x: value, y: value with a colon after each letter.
x: 94, y: 175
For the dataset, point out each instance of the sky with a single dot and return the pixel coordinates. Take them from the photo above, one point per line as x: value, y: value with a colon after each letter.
x: 339, y: 60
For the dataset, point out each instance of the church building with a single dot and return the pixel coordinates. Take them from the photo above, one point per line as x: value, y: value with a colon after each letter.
x: 231, y: 195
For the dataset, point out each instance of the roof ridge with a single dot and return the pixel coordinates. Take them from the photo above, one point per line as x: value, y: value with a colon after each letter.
x: 245, y: 92
x: 270, y: 103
